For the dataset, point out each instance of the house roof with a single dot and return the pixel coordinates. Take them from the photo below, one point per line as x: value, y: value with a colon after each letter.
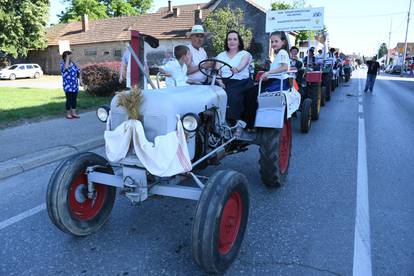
x: 104, y: 30
x: 257, y: 6
x: 188, y: 7
x: 214, y: 3
x: 165, y: 26
x: 162, y: 25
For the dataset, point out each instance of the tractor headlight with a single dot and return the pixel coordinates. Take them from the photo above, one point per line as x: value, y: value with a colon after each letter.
x: 191, y: 122
x: 103, y: 113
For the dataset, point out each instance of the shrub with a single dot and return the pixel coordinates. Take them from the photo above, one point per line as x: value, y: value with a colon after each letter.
x: 4, y: 62
x: 101, y: 79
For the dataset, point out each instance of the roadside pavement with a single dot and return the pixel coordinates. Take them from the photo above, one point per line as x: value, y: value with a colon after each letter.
x: 32, y: 145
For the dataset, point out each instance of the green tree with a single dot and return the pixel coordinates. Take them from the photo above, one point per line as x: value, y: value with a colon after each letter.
x: 280, y: 5
x: 99, y: 9
x: 142, y: 6
x: 119, y: 8
x: 23, y: 26
x: 383, y: 50
x: 223, y: 20
x: 93, y: 8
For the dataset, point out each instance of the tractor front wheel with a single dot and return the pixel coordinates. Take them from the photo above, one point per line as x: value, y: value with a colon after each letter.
x: 69, y: 205
x: 220, y: 221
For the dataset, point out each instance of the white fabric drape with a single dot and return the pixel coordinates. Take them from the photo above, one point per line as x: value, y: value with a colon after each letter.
x: 167, y: 156
x: 292, y: 101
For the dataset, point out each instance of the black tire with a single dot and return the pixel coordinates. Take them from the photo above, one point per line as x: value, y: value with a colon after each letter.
x: 12, y: 77
x: 36, y: 75
x: 316, y: 101
x: 199, y: 152
x: 66, y: 184
x: 328, y: 91
x: 306, y: 116
x: 220, y: 221
x: 323, y: 95
x: 275, y: 146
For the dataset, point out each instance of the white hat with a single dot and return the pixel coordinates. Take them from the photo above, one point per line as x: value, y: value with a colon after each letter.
x: 197, y: 29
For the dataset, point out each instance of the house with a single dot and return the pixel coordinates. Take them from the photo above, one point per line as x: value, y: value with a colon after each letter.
x: 95, y: 41
x: 396, y: 53
x: 105, y: 40
x: 254, y: 18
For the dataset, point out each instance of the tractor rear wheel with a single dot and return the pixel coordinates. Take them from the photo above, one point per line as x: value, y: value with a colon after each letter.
x: 306, y: 116
x: 275, y: 148
x: 315, y: 94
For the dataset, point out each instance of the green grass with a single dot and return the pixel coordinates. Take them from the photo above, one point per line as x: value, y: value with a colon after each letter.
x: 31, y: 103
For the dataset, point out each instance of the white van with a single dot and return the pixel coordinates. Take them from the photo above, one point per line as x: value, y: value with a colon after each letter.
x: 21, y: 71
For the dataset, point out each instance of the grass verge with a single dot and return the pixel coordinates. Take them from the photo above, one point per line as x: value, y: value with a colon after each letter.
x: 20, y: 104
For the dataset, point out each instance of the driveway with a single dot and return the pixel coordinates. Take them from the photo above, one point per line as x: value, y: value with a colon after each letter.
x: 46, y: 81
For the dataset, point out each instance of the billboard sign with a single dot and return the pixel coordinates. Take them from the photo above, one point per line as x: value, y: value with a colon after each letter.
x: 306, y: 19
x: 64, y: 45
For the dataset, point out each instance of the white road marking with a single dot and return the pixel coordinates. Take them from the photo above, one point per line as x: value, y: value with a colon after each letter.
x: 362, y: 241
x: 360, y: 108
x: 22, y: 216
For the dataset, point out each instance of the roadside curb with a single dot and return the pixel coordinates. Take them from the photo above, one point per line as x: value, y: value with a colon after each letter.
x: 25, y: 163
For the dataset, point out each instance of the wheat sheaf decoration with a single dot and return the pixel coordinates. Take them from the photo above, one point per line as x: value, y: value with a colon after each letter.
x: 132, y: 102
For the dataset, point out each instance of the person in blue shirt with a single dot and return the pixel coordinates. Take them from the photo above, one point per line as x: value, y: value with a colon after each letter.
x: 70, y: 75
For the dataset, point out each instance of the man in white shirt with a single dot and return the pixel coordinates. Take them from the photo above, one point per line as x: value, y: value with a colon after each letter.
x: 196, y: 35
x: 125, y: 70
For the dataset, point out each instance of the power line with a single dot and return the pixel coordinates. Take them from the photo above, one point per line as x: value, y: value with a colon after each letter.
x: 365, y: 16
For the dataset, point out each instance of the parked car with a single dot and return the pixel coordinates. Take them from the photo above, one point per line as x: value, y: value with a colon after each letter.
x: 388, y: 68
x: 21, y: 71
x: 396, y: 69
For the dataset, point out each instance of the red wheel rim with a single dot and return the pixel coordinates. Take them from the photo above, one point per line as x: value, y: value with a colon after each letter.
x: 284, y: 147
x: 82, y: 207
x: 230, y: 222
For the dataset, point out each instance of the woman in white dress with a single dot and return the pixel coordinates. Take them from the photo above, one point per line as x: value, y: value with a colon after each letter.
x: 235, y: 87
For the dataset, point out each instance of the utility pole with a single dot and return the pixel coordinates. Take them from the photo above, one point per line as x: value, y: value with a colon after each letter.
x: 405, y: 47
x: 389, y: 46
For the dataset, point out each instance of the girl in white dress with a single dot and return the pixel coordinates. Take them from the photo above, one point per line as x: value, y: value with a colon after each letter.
x: 280, y: 64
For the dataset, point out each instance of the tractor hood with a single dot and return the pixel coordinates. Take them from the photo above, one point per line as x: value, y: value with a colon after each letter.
x: 161, y: 106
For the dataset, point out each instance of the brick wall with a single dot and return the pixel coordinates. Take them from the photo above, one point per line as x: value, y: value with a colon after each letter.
x: 49, y: 58
x: 255, y: 19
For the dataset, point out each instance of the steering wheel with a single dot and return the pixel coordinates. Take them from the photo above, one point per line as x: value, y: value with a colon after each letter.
x: 208, y: 68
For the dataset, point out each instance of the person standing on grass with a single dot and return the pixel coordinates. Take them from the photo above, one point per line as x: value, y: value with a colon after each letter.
x: 373, y: 70
x: 70, y: 75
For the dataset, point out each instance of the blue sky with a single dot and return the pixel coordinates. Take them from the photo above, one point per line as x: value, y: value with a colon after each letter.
x: 358, y: 26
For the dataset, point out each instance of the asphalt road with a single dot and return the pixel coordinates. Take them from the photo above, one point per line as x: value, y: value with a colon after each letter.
x: 305, y: 228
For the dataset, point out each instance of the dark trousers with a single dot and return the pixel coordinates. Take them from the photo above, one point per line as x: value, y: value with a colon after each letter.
x: 369, y: 84
x: 236, y: 90
x: 71, y: 100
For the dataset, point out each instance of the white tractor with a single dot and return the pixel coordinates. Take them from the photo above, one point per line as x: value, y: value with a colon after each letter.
x: 82, y: 189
